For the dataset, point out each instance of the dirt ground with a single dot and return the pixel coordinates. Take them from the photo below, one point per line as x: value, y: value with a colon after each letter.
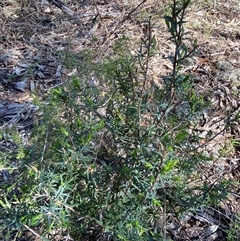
x: 41, y: 46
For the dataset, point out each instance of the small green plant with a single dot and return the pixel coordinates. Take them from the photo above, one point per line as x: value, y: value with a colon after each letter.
x: 233, y: 233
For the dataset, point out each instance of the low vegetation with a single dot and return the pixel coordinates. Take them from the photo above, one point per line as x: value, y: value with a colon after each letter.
x: 117, y: 155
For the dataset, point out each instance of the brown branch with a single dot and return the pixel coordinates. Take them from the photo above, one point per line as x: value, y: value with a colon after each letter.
x: 61, y: 5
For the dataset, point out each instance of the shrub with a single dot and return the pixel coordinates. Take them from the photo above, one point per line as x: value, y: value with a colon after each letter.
x: 113, y: 153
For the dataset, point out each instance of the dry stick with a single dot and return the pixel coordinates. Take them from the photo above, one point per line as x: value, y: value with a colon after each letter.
x: 32, y: 231
x: 210, y: 139
x: 61, y: 5
x: 133, y: 10
x: 16, y: 117
x: 98, y: 12
x: 145, y: 74
x: 123, y: 20
x: 45, y: 145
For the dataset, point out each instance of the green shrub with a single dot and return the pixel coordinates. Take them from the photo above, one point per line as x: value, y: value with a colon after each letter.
x: 113, y: 152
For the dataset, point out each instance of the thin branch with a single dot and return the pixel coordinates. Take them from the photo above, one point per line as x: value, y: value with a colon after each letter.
x: 32, y: 231
x: 145, y: 74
